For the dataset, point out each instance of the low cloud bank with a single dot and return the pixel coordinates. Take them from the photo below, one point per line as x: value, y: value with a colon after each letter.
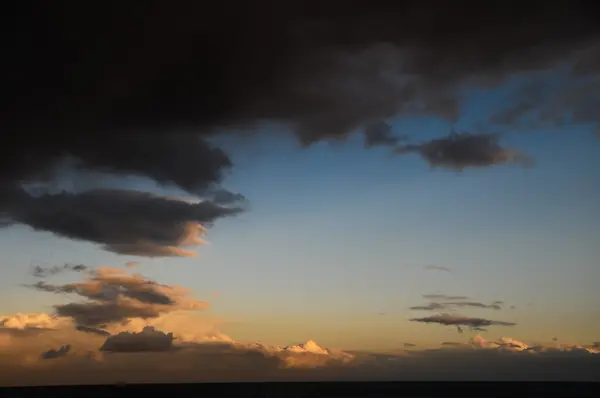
x: 126, y: 328
x: 146, y: 353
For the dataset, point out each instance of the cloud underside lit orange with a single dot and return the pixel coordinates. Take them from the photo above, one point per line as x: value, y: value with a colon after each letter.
x: 138, y: 353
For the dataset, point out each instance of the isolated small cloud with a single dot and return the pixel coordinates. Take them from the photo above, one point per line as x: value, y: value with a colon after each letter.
x: 428, y: 307
x: 438, y: 268
x: 455, y: 320
x: 473, y: 304
x: 43, y: 272
x: 461, y: 150
x: 453, y: 344
x: 60, y: 352
x: 89, y: 329
x: 456, y: 304
x: 435, y: 297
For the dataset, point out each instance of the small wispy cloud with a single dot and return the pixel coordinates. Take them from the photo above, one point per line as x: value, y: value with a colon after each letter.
x: 444, y: 297
x: 43, y: 272
x: 457, y: 320
x: 438, y: 268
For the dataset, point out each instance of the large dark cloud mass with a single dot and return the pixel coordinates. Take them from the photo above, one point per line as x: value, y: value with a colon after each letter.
x: 122, y: 221
x: 140, y: 90
x: 324, y: 67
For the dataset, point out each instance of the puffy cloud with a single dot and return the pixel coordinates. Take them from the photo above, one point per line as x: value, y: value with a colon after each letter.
x: 114, y: 296
x: 149, y: 339
x: 146, y: 353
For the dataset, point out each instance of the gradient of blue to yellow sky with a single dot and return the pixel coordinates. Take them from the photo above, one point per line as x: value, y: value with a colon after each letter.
x: 334, y: 244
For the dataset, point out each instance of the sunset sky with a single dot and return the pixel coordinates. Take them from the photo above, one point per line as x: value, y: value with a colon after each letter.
x: 377, y: 178
x: 337, y: 234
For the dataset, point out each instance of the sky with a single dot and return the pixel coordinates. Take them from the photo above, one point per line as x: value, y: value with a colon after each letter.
x: 337, y: 235
x: 403, y: 182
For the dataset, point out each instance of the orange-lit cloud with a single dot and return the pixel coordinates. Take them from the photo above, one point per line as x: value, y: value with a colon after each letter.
x: 153, y: 354
x: 114, y: 296
x: 133, y: 329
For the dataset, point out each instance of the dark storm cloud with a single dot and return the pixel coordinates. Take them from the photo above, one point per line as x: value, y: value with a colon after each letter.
x: 542, y: 102
x: 121, y: 221
x: 461, y: 150
x: 324, y: 69
x: 106, y: 88
x: 183, y: 160
x: 454, y: 320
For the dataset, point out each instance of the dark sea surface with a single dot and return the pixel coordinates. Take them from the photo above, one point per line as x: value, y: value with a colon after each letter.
x: 321, y: 389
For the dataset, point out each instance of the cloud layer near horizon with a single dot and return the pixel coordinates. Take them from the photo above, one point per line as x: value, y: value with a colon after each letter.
x: 57, y: 354
x: 125, y: 327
